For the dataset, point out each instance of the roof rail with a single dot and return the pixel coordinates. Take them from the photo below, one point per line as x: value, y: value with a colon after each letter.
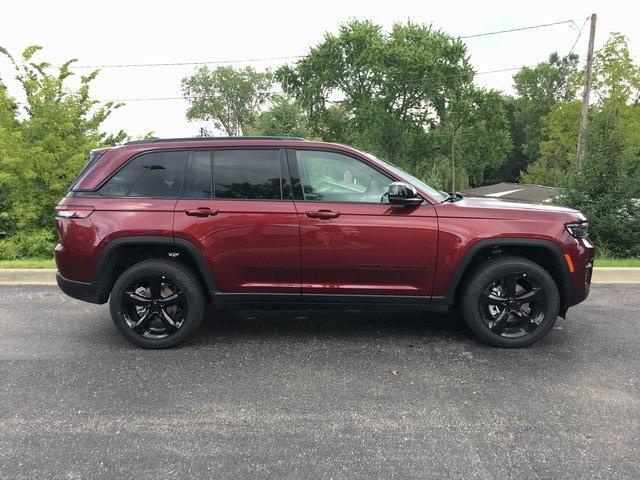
x: 204, y: 139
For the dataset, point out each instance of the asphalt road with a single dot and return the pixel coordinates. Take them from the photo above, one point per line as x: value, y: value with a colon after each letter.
x: 317, y: 395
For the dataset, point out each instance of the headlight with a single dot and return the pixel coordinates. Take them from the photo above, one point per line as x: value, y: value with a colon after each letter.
x: 578, y: 230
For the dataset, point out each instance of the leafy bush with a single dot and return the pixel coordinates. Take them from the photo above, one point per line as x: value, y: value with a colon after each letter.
x: 28, y: 244
x: 607, y: 188
x: 42, y: 149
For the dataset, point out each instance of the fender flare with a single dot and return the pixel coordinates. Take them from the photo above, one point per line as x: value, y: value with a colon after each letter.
x: 548, y: 245
x: 104, y: 265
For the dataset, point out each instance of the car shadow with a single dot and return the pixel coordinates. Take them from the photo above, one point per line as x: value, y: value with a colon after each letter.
x: 346, y: 325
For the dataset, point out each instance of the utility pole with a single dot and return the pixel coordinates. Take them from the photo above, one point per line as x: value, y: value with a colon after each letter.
x: 453, y: 162
x: 584, y: 112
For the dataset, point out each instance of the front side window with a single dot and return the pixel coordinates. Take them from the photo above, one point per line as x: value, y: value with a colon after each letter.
x: 438, y: 195
x: 334, y: 177
x: 248, y: 174
x: 155, y: 174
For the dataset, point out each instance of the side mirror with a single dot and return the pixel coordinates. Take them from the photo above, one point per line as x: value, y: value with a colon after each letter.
x: 404, y: 195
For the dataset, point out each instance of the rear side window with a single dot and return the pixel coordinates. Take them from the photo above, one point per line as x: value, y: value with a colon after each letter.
x: 155, y: 174
x: 249, y: 174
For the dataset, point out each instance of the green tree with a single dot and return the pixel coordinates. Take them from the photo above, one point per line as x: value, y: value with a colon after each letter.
x: 284, y: 117
x: 616, y: 82
x: 391, y: 87
x: 229, y: 98
x: 615, y: 76
x: 8, y: 139
x: 558, y: 147
x: 42, y: 148
x: 607, y: 188
x: 539, y: 89
x: 404, y: 95
x: 476, y: 129
x: 509, y: 170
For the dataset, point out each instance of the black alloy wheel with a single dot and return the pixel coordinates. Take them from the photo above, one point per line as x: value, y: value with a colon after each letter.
x: 154, y: 306
x: 510, y: 301
x: 513, y: 304
x: 157, y: 303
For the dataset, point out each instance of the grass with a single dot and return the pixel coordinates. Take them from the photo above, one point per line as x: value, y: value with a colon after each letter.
x: 28, y: 263
x: 50, y: 263
x: 617, y: 262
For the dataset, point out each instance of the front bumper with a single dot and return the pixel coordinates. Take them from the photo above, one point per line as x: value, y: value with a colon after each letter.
x: 582, y: 253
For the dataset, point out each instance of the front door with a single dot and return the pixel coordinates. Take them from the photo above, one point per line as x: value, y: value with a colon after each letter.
x: 237, y: 209
x: 352, y: 241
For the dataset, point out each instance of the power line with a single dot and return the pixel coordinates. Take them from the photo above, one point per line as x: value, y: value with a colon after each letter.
x: 507, y: 69
x: 151, y: 99
x: 542, y: 25
x: 180, y: 64
x: 215, y: 62
x: 578, y: 37
x: 486, y: 72
x: 290, y: 57
x: 144, y: 99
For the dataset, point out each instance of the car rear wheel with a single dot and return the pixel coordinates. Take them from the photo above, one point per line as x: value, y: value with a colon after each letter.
x: 510, y: 302
x: 157, y: 303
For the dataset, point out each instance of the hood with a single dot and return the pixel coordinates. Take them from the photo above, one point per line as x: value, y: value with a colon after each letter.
x: 488, y: 207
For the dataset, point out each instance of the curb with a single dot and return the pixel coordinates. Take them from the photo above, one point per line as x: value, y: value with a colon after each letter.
x: 28, y: 276
x: 616, y: 275
x: 47, y: 276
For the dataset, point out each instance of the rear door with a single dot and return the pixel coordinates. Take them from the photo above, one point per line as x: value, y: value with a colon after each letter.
x: 352, y: 240
x: 237, y: 209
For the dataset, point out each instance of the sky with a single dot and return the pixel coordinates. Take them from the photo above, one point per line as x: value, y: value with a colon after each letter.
x: 134, y: 32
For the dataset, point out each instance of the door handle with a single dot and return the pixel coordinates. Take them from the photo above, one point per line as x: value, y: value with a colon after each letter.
x: 322, y: 214
x: 201, y: 212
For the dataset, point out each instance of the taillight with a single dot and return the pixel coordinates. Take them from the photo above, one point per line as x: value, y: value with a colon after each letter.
x: 73, y: 212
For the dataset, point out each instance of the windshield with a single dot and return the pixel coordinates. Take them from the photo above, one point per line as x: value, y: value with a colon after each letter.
x: 416, y: 182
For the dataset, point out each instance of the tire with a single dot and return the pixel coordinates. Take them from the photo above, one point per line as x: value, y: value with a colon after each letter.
x: 157, y: 303
x: 510, y: 302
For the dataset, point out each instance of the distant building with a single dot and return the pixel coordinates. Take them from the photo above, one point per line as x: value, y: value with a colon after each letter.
x: 516, y: 191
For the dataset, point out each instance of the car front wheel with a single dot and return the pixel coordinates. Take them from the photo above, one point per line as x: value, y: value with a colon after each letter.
x: 510, y: 302
x: 157, y: 303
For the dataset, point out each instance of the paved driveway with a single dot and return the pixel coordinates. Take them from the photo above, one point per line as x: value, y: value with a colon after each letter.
x: 317, y: 395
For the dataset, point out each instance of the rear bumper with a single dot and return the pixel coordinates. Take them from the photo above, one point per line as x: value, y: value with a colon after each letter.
x: 87, y: 292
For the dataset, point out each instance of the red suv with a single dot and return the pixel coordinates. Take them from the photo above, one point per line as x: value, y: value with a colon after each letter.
x: 161, y: 227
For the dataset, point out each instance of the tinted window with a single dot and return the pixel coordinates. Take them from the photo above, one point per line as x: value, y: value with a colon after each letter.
x: 93, y: 158
x: 157, y: 174
x: 199, y: 181
x: 333, y: 177
x: 248, y: 174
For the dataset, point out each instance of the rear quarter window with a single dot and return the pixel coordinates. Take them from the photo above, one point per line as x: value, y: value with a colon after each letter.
x: 154, y: 174
x: 93, y: 158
